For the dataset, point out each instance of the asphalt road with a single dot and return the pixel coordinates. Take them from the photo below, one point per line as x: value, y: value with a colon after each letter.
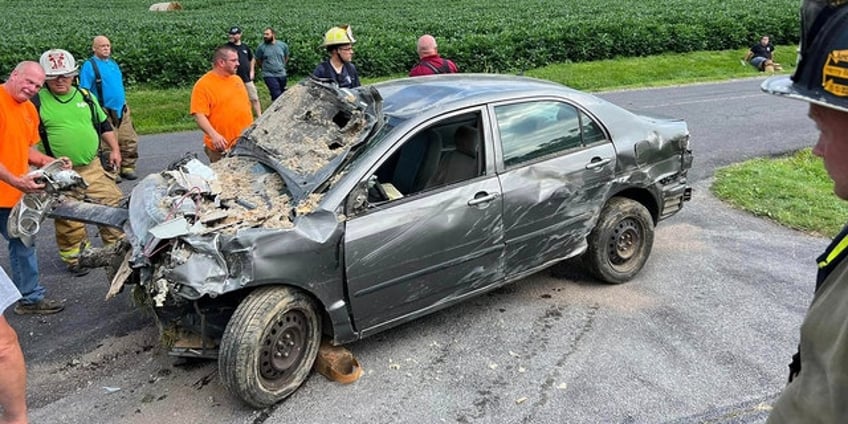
x: 703, y: 334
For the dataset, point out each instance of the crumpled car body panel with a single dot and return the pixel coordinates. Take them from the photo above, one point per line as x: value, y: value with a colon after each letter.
x: 291, y: 205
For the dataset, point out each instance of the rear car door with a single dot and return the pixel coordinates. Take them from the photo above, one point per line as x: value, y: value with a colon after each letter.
x: 425, y: 240
x: 557, y: 163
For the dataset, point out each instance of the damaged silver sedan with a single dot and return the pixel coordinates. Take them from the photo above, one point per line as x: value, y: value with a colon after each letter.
x: 342, y: 213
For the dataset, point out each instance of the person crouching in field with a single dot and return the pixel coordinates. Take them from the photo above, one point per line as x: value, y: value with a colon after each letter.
x: 761, y: 56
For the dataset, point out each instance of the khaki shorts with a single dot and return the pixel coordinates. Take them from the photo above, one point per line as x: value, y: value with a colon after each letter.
x: 251, y: 91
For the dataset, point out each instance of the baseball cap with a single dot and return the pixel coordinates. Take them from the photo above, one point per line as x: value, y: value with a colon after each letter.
x: 234, y: 30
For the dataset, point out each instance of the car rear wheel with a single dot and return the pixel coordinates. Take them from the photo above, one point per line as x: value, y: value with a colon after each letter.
x: 621, y: 242
x: 269, y: 345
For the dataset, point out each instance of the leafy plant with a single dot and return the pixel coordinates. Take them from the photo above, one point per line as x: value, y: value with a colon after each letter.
x: 173, y: 49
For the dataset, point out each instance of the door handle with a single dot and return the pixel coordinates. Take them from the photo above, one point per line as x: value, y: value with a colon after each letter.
x: 482, y: 197
x: 597, y: 162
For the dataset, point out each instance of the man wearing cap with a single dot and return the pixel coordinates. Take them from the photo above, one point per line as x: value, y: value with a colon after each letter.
x: 338, y: 67
x: 272, y: 56
x: 246, y: 69
x: 102, y: 76
x: 220, y: 105
x: 19, y: 132
x: 818, y: 382
x: 74, y: 125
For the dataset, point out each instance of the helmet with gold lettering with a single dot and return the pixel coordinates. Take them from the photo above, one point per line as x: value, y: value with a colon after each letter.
x: 822, y: 73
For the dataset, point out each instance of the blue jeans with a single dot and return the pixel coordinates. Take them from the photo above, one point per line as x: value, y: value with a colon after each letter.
x: 24, y: 264
x: 276, y: 85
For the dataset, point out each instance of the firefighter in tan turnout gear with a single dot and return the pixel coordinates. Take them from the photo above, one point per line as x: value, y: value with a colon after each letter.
x: 73, y: 126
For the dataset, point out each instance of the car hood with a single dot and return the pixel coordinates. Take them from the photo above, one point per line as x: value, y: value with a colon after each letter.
x: 272, y: 176
x: 309, y: 131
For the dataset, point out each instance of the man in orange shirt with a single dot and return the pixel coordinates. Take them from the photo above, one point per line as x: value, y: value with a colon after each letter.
x: 220, y: 105
x: 18, y: 136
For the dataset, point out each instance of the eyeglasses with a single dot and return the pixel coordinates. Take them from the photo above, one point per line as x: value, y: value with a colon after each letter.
x: 55, y: 77
x: 346, y: 49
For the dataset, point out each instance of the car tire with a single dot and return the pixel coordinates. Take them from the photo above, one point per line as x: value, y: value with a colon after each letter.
x: 269, y: 345
x: 621, y: 241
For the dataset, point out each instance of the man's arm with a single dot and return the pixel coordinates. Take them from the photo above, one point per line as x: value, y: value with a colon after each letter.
x: 218, y: 141
x: 748, y: 55
x: 115, y: 154
x: 38, y: 159
x: 25, y: 183
x: 12, y: 375
x: 86, y: 77
x: 258, y: 56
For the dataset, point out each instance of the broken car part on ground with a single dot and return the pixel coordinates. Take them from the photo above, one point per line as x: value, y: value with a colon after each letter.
x: 342, y: 213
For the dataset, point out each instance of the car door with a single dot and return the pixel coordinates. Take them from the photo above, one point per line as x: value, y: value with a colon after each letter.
x: 557, y: 164
x: 412, y: 252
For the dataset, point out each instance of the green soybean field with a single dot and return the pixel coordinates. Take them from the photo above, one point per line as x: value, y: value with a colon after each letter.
x: 171, y: 49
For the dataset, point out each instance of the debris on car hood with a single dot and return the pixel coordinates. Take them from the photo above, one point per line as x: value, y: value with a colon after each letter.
x: 308, y: 134
x: 274, y: 175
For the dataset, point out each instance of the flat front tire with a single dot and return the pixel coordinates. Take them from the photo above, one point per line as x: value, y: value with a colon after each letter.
x: 621, y: 242
x: 269, y: 345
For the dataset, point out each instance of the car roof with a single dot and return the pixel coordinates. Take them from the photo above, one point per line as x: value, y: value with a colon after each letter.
x: 406, y: 97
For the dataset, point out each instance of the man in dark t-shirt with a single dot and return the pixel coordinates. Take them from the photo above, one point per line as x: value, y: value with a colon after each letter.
x: 761, y: 56
x: 246, y: 68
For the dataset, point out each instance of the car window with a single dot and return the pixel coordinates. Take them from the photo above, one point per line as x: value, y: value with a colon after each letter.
x: 446, y: 152
x: 532, y: 130
x: 592, y: 132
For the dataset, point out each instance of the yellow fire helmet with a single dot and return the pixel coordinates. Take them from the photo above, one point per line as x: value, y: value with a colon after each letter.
x: 822, y: 73
x: 338, y: 35
x: 58, y: 62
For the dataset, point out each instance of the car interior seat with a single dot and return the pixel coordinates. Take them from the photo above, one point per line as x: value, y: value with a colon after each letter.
x: 418, y: 162
x: 463, y: 162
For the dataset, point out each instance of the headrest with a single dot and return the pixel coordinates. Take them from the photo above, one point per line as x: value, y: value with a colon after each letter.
x: 467, y: 140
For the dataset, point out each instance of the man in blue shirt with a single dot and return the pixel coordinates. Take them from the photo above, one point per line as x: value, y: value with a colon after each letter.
x: 102, y: 76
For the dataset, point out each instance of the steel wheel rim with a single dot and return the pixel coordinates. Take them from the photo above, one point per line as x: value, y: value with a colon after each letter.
x: 625, y: 241
x: 283, y: 346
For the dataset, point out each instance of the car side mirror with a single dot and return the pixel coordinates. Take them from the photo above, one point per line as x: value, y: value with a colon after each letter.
x: 357, y: 200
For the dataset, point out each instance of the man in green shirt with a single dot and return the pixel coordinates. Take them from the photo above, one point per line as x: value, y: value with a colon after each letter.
x: 73, y: 126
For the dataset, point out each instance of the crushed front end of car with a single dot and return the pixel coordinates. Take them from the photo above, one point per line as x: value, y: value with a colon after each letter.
x: 197, y: 234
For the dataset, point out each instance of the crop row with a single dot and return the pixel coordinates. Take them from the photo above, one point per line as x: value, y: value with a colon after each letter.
x: 173, y: 48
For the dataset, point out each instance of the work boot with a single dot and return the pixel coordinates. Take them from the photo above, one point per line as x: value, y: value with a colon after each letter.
x: 129, y: 174
x: 77, y: 270
x: 42, y: 307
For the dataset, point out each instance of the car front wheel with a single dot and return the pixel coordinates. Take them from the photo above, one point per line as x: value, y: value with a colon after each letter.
x: 621, y: 242
x: 269, y: 345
